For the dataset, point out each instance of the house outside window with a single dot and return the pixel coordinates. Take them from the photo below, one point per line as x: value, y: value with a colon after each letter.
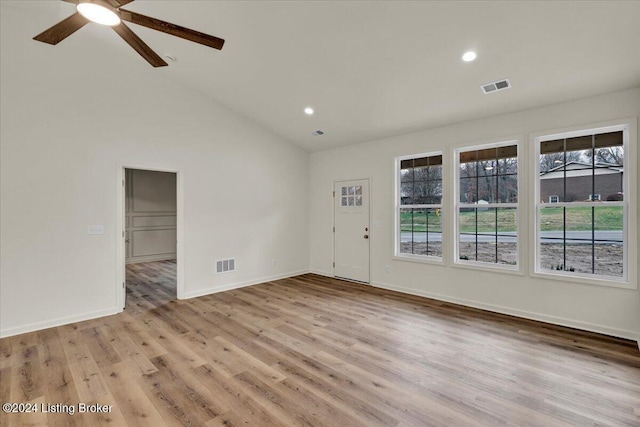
x: 578, y: 175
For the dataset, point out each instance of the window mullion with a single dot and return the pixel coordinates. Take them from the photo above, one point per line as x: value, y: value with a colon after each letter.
x: 593, y: 209
x: 496, y: 232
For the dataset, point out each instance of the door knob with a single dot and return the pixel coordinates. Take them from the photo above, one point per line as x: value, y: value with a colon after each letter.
x: 366, y: 236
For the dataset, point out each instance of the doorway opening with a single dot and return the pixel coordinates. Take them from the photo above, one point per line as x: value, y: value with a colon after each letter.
x: 150, y: 238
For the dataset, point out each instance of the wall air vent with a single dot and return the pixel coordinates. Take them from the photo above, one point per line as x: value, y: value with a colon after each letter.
x: 496, y: 86
x: 225, y: 265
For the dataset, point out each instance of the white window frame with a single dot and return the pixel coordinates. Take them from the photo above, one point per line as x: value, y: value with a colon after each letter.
x: 628, y: 280
x: 399, y: 206
x: 457, y: 205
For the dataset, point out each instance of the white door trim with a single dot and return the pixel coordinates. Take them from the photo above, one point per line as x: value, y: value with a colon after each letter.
x: 120, y: 228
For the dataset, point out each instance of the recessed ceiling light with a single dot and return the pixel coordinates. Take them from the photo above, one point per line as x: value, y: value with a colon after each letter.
x: 469, y: 56
x: 308, y: 111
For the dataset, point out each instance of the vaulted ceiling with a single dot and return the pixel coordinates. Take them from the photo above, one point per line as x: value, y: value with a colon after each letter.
x: 373, y: 69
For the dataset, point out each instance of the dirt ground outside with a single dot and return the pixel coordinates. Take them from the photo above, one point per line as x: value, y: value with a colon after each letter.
x: 607, y: 259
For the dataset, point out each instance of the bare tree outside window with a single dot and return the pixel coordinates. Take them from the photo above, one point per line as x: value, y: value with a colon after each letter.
x: 608, y: 155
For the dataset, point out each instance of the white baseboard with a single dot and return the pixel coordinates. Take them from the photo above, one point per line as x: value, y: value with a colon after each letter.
x: 231, y: 286
x: 38, y: 326
x: 321, y: 273
x: 621, y: 333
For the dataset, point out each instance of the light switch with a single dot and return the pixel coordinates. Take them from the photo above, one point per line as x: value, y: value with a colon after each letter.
x: 94, y: 230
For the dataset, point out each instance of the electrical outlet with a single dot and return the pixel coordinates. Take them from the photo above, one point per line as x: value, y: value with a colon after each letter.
x: 95, y: 230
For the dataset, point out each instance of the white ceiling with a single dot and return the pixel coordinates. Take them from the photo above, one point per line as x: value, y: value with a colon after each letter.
x: 373, y: 69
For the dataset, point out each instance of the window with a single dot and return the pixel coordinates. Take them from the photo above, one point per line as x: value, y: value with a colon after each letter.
x: 487, y: 205
x: 554, y: 199
x: 351, y: 196
x: 585, y: 233
x: 419, y: 206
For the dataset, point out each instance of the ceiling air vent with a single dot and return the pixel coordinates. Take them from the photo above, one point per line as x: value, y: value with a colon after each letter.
x: 496, y: 86
x: 317, y: 133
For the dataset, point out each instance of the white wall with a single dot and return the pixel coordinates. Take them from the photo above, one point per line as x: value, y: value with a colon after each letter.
x: 69, y: 119
x: 62, y: 140
x: 604, y: 309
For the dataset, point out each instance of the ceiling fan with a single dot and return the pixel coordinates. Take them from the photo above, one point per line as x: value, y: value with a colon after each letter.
x: 110, y: 12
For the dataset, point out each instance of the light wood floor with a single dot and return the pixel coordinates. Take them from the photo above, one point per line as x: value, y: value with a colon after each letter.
x: 316, y: 351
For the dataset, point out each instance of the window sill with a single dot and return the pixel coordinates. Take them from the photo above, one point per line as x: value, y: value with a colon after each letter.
x: 419, y: 259
x: 585, y: 280
x: 493, y: 268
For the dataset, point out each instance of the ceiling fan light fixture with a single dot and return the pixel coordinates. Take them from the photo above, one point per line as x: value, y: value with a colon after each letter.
x: 469, y: 56
x: 108, y: 12
x: 99, y: 12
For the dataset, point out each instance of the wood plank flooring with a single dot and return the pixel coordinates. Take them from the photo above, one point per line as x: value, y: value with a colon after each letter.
x: 315, y: 351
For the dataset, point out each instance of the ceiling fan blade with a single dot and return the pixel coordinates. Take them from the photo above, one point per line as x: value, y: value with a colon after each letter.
x: 174, y: 30
x: 62, y: 29
x: 122, y: 2
x: 141, y: 47
x: 114, y: 3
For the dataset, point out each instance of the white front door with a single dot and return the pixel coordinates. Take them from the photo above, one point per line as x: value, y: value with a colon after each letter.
x: 351, y: 234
